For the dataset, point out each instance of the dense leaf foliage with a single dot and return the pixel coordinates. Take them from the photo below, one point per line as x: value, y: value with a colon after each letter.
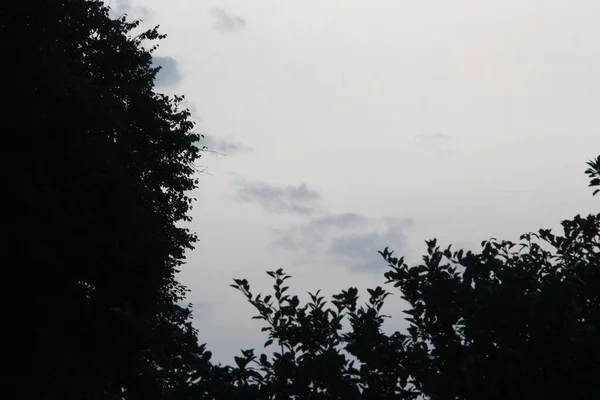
x: 104, y: 164
x: 513, y: 321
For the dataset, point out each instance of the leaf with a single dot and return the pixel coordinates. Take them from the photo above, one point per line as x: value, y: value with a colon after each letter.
x: 240, y: 362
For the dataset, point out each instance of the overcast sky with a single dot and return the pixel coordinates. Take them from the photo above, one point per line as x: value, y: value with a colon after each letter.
x: 346, y: 126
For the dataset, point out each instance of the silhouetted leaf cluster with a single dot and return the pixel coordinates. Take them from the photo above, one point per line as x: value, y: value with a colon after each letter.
x: 594, y: 173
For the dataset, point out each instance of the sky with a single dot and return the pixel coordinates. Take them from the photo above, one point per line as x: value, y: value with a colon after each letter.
x: 337, y: 128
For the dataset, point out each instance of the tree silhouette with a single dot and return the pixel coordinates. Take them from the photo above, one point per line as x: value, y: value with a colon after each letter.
x: 515, y: 320
x: 97, y: 191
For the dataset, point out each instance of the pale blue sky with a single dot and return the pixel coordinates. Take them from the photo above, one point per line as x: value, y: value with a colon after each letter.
x: 352, y: 125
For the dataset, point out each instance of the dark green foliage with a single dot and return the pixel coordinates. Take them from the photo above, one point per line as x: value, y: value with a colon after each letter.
x: 514, y: 321
x: 518, y: 320
x: 594, y: 173
x: 97, y: 189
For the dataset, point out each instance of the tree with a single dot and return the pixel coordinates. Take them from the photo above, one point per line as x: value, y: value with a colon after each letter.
x: 98, y: 189
x: 513, y: 321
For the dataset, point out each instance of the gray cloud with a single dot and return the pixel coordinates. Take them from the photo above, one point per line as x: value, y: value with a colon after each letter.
x: 360, y: 251
x: 346, y: 239
x: 306, y: 240
x: 294, y: 199
x: 345, y: 220
x: 169, y: 71
x: 223, y: 146
x: 227, y: 22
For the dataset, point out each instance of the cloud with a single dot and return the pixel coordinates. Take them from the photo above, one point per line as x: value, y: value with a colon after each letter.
x: 360, y: 251
x: 168, y: 73
x: 227, y: 22
x: 347, y: 239
x: 223, y: 146
x: 292, y: 199
x: 345, y: 220
x: 306, y: 240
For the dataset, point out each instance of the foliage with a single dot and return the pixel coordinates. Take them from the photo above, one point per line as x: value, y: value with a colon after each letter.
x: 317, y: 358
x: 515, y: 320
x: 99, y: 188
x: 594, y: 173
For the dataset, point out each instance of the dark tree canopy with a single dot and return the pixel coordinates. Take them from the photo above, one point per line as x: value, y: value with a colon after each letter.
x: 100, y: 180
x: 513, y: 321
